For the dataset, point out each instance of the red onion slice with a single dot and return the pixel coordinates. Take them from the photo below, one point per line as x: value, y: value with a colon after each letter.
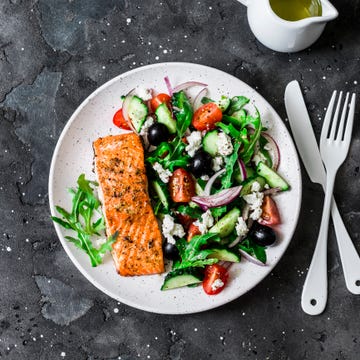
x: 211, y: 181
x: 168, y: 85
x: 272, y: 191
x: 273, y: 151
x: 236, y: 241
x: 197, y: 101
x: 224, y: 197
x: 242, y: 169
x: 186, y: 85
x: 250, y: 258
x: 125, y: 109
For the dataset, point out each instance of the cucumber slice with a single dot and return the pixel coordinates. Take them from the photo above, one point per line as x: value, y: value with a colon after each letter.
x: 161, y: 193
x: 223, y: 103
x: 182, y: 277
x: 226, y: 224
x: 164, y: 116
x: 248, y: 183
x: 138, y: 112
x: 209, y: 142
x: 271, y: 176
x: 225, y: 255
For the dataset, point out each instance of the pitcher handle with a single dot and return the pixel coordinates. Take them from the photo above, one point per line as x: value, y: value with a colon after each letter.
x: 244, y: 2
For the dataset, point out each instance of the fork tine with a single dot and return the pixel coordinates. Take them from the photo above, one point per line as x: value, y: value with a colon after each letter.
x: 327, y: 120
x: 350, y: 120
x: 335, y: 118
x: 340, y: 133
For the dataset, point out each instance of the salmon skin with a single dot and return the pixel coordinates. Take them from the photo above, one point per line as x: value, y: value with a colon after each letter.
x: 120, y: 169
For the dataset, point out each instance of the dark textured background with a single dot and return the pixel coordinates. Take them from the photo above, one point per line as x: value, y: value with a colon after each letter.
x: 53, y: 54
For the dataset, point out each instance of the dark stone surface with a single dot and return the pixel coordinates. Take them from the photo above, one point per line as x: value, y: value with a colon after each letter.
x: 55, y: 53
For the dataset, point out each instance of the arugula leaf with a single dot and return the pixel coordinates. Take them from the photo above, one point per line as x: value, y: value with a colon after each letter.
x: 183, y: 112
x: 192, y: 253
x: 193, y: 212
x: 237, y: 103
x: 248, y: 150
x: 84, y: 204
x: 253, y: 249
x: 229, y: 129
x: 171, y: 154
x: 206, y: 100
x: 230, y: 161
x: 218, y: 211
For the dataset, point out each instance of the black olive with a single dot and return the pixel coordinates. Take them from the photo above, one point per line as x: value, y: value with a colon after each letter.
x: 157, y: 133
x: 201, y: 164
x: 261, y: 234
x: 171, y: 252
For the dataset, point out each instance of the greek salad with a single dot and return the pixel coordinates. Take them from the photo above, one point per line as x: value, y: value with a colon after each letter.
x: 212, y: 171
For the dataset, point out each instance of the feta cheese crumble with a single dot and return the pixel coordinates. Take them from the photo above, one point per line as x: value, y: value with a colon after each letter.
x: 217, y: 163
x: 194, y: 143
x: 259, y: 156
x: 171, y: 229
x: 255, y: 200
x: 206, y: 222
x: 217, y: 284
x: 255, y: 187
x: 224, y: 144
x: 164, y: 174
x: 144, y: 94
x: 241, y: 227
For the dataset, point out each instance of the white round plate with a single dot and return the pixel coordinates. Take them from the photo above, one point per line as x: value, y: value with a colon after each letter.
x: 74, y: 155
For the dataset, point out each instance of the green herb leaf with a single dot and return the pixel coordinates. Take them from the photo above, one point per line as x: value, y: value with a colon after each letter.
x: 84, y: 206
x: 183, y: 112
x: 237, y: 103
x: 253, y: 249
x: 192, y: 253
x: 230, y: 161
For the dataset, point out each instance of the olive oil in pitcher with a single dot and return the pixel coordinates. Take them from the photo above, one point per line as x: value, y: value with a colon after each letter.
x: 294, y: 10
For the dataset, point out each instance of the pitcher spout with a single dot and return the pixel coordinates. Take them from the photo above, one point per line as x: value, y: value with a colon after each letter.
x: 328, y: 12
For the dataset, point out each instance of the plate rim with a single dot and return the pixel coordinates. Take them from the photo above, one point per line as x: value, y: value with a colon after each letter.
x: 51, y: 185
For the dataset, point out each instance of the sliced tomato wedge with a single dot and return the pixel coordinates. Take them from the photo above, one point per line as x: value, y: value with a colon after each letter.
x: 181, y: 186
x: 206, y: 117
x: 270, y: 213
x: 193, y: 230
x: 120, y: 121
x: 158, y: 100
x: 215, y: 279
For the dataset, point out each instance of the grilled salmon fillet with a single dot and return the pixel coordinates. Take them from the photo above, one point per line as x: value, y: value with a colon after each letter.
x: 120, y: 169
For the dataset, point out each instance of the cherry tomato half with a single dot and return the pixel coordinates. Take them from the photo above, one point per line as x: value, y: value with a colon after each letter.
x: 158, y: 100
x: 193, y: 230
x: 215, y: 279
x: 270, y: 213
x: 181, y: 186
x: 120, y: 121
x: 206, y: 117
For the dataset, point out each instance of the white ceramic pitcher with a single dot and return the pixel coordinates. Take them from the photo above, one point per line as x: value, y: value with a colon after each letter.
x: 282, y: 35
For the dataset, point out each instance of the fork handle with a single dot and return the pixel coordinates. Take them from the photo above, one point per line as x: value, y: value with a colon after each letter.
x: 314, y: 294
x: 350, y: 259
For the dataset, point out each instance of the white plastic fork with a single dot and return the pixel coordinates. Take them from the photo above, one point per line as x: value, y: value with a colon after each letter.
x: 334, y: 146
